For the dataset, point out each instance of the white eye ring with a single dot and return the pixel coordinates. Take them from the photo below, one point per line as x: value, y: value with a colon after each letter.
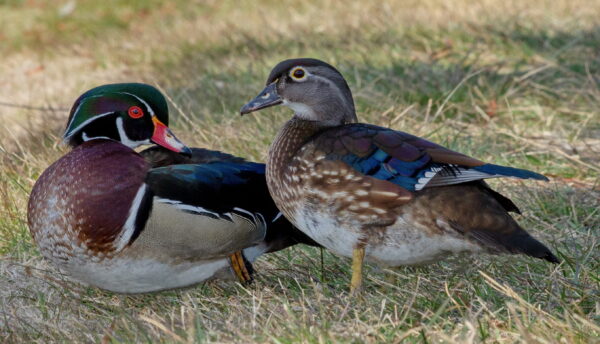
x: 298, y: 74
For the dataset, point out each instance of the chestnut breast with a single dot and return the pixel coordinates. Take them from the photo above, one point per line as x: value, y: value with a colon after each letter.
x: 80, y: 203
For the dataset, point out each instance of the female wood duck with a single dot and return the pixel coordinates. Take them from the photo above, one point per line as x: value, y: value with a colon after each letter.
x: 166, y: 218
x: 365, y: 191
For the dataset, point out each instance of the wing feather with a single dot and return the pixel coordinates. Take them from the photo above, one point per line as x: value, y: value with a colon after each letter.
x: 408, y: 161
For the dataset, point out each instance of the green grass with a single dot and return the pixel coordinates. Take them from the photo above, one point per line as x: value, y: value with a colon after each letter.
x: 505, y: 81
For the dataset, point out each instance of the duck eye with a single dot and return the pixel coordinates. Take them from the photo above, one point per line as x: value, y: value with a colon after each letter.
x: 135, y: 112
x: 298, y: 73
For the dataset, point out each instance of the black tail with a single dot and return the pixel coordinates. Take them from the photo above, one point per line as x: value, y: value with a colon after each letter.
x: 503, y: 234
x: 519, y: 241
x: 524, y: 243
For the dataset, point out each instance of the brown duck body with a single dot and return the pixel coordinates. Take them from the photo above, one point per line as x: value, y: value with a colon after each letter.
x: 376, y: 193
x: 342, y: 208
x: 93, y: 214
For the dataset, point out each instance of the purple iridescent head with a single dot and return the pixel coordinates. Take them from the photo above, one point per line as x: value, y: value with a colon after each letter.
x: 133, y: 114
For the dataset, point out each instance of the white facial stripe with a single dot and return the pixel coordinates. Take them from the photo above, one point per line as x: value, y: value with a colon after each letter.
x: 141, y: 101
x: 129, y: 227
x: 88, y: 121
x: 77, y: 110
x: 125, y: 139
x: 87, y: 138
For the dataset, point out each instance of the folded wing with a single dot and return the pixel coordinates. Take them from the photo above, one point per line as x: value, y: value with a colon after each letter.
x: 406, y: 160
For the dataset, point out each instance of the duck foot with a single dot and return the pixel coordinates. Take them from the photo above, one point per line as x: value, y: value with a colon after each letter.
x: 239, y: 267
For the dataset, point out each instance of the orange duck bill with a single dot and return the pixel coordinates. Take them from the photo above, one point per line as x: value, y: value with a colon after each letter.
x: 163, y: 136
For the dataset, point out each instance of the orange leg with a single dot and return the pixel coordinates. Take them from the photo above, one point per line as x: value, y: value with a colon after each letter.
x: 239, y: 267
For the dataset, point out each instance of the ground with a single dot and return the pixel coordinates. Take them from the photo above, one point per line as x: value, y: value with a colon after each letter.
x: 510, y: 82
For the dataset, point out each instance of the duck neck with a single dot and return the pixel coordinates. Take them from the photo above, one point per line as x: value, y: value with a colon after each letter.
x: 290, y: 138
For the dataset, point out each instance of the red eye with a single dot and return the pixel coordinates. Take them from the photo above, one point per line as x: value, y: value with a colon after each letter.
x: 135, y: 112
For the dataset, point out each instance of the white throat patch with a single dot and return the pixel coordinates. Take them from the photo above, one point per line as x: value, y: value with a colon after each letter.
x: 302, y: 110
x: 125, y: 139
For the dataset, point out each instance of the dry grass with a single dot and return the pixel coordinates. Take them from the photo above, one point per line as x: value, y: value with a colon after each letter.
x: 511, y: 82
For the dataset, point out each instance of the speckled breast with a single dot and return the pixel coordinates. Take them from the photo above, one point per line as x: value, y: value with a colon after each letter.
x: 79, y: 205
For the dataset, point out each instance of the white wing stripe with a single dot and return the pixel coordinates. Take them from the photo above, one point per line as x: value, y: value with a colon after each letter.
x: 199, y: 210
x: 279, y: 214
x: 129, y: 226
x: 182, y: 206
x: 457, y: 176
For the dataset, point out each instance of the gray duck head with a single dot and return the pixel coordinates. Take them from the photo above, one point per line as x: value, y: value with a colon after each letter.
x: 315, y: 90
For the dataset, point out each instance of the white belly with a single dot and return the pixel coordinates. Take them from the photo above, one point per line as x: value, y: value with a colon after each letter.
x: 327, y: 232
x: 124, y: 275
x: 411, y: 247
x: 401, y: 243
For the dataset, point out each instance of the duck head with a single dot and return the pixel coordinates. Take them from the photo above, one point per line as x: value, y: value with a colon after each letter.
x: 315, y: 90
x: 133, y: 114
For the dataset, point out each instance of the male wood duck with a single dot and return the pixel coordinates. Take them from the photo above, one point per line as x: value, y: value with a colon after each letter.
x: 374, y: 193
x: 166, y: 218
